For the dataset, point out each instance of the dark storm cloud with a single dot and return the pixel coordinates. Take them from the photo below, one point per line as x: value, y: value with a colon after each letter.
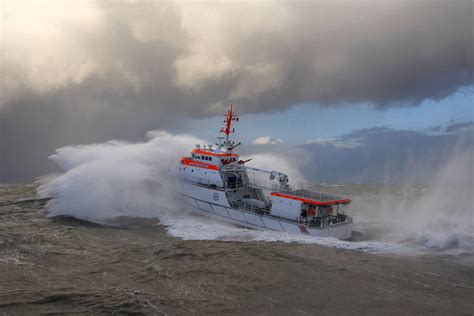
x: 456, y: 127
x: 436, y: 128
x: 266, y: 55
x: 382, y: 155
x: 75, y: 73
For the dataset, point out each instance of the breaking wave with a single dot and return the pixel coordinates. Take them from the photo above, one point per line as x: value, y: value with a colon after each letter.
x: 114, y: 179
x: 104, y: 181
x: 439, y: 219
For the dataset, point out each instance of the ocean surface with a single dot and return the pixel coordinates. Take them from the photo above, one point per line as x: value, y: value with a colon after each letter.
x: 179, y: 263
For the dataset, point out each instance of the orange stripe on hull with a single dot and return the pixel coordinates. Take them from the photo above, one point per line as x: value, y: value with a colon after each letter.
x: 198, y: 164
x: 286, y: 196
x: 209, y: 153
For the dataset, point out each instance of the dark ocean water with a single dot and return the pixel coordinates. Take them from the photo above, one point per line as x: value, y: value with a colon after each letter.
x: 66, y: 265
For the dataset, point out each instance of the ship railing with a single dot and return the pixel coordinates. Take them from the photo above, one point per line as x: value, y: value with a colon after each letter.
x: 277, y: 182
x: 234, y: 185
x: 314, y: 221
x: 302, y: 190
x: 325, y: 221
x: 250, y: 208
x: 308, y: 193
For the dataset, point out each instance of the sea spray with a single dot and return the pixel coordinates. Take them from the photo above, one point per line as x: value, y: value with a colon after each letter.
x: 103, y: 181
x: 277, y: 163
x: 438, y: 217
x: 443, y: 217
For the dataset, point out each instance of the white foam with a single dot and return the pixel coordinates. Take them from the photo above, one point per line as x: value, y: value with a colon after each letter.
x: 103, y: 181
x: 195, y: 227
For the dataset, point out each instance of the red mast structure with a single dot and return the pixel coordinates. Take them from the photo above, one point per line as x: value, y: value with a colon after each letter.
x: 230, y: 117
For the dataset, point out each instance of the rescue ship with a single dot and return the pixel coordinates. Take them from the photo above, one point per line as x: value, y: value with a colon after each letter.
x: 217, y: 184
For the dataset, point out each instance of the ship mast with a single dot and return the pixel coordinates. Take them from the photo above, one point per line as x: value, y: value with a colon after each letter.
x: 230, y: 117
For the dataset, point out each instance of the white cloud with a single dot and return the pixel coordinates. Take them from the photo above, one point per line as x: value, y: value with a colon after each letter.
x: 265, y: 140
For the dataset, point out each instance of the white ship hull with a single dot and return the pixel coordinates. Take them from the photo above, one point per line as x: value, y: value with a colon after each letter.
x: 214, y: 203
x: 215, y: 183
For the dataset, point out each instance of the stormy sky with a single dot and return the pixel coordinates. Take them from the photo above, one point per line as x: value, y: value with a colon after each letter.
x: 379, y: 154
x: 88, y: 71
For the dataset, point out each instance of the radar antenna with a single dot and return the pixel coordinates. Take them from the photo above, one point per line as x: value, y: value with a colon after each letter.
x: 230, y: 118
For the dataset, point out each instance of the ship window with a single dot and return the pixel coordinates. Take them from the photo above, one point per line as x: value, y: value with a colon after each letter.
x: 210, y: 158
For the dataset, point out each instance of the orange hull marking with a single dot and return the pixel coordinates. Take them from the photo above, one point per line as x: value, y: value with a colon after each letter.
x: 286, y: 196
x: 198, y: 164
x: 208, y: 153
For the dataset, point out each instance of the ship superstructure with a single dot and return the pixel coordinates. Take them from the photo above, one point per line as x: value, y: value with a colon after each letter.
x: 216, y: 183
